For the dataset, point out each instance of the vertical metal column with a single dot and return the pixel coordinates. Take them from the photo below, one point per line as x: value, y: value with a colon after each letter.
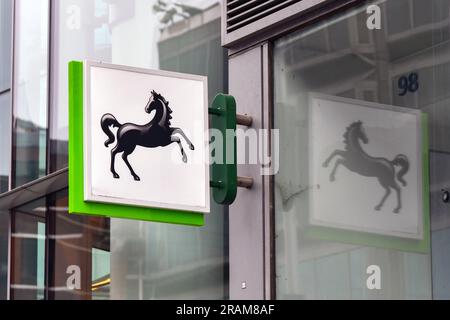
x: 249, y: 250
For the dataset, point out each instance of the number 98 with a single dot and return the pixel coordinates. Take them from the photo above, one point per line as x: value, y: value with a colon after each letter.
x: 408, y: 84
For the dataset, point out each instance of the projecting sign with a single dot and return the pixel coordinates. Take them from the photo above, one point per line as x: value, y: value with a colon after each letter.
x: 138, y: 143
x: 366, y: 167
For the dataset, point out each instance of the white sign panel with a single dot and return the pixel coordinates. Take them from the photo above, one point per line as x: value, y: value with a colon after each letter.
x: 366, y: 167
x: 146, y: 138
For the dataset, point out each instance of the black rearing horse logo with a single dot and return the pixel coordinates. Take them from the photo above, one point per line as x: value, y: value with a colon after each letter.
x: 355, y: 159
x: 156, y: 133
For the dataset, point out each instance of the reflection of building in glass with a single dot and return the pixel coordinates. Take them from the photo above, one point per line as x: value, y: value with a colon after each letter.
x: 30, y: 143
x: 348, y: 42
x: 193, y: 45
x: 5, y: 98
x: 348, y: 45
x: 367, y: 66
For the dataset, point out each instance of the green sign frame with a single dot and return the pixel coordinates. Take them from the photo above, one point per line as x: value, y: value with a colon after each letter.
x: 77, y: 205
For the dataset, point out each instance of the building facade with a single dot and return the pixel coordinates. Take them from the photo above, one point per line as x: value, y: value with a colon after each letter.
x: 379, y: 64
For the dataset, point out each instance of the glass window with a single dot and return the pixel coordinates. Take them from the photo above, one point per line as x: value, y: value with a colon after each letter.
x: 403, y: 67
x: 156, y: 261
x: 148, y: 260
x: 56, y: 255
x: 5, y: 134
x: 133, y: 33
x: 78, y: 259
x: 5, y: 93
x: 5, y: 44
x: 101, y: 274
x: 30, y: 89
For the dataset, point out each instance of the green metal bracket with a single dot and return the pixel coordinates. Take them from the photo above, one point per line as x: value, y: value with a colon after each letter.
x: 224, y: 174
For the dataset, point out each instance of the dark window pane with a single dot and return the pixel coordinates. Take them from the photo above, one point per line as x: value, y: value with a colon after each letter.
x: 4, y: 247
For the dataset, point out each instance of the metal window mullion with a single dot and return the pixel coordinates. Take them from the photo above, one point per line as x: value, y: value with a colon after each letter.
x: 11, y: 168
x: 49, y: 218
x: 51, y: 16
x: 268, y: 180
x: 12, y: 90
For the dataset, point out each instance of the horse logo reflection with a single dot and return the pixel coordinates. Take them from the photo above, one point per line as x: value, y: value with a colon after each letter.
x: 355, y: 159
